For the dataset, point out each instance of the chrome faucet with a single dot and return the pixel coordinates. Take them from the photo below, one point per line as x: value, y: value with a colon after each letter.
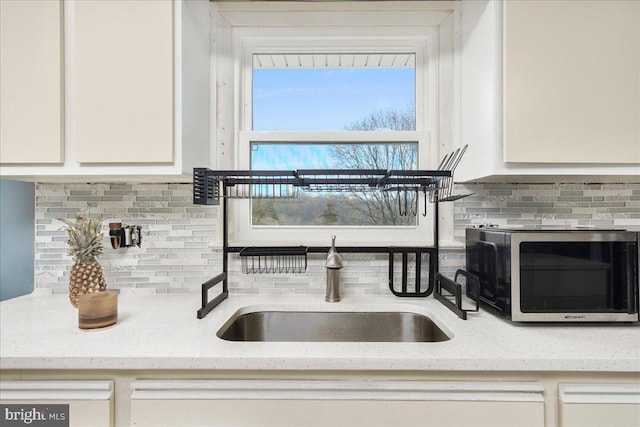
x: 333, y: 266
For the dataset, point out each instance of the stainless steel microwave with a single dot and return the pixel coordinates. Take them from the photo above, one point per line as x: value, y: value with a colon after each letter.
x: 552, y: 275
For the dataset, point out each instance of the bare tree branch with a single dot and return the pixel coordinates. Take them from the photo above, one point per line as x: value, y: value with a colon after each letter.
x: 380, y: 208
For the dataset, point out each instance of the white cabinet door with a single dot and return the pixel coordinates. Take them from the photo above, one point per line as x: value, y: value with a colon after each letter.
x: 336, y: 403
x: 596, y: 405
x: 137, y: 78
x: 31, y: 78
x: 550, y: 91
x: 571, y: 81
x: 90, y: 403
x: 123, y: 79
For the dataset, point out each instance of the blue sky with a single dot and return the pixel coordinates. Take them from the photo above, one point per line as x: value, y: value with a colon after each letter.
x: 320, y: 99
x: 290, y: 157
x: 327, y: 99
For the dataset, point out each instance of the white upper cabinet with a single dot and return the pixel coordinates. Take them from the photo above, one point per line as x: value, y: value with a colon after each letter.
x: 31, y: 82
x: 123, y: 81
x: 572, y: 81
x: 550, y: 90
x: 136, y: 92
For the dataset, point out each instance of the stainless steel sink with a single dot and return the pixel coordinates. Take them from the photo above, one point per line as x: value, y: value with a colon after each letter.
x: 331, y: 326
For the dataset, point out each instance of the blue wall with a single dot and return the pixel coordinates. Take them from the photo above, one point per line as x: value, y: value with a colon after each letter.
x: 17, y: 238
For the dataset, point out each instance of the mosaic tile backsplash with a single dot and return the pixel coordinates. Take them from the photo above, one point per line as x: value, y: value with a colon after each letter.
x: 176, y: 257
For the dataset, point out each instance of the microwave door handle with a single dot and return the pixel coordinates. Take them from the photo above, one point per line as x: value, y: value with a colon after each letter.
x: 632, y: 297
x: 632, y: 275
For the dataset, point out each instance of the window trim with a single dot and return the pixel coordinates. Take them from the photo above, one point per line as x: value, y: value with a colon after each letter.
x: 421, y: 29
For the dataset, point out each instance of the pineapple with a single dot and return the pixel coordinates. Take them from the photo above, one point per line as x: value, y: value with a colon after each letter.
x: 85, y: 245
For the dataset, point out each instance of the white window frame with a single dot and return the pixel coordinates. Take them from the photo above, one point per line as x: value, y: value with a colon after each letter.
x: 420, y: 34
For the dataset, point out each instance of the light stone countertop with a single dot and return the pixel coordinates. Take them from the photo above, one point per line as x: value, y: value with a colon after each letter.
x: 162, y: 332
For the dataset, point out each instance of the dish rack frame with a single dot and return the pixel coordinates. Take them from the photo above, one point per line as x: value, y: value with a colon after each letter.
x: 218, y: 187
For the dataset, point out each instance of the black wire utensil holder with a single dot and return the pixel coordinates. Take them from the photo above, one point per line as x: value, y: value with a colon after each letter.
x: 444, y: 190
x: 219, y: 187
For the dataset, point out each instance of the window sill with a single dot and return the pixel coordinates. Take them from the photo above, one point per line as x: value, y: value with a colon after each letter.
x: 447, y: 244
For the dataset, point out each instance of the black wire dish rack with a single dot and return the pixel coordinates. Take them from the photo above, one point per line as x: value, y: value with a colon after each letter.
x: 218, y: 187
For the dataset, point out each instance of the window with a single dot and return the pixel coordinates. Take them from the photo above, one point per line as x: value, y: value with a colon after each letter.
x: 358, y: 207
x: 353, y: 96
x: 333, y: 91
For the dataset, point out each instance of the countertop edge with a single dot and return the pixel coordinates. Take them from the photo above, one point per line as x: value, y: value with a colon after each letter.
x: 302, y: 364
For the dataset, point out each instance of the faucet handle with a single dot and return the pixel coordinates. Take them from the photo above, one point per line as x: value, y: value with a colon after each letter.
x: 334, y: 259
x: 332, y: 248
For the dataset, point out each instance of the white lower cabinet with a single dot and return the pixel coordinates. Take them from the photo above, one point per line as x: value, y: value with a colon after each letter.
x: 336, y: 403
x: 597, y: 405
x: 90, y: 403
